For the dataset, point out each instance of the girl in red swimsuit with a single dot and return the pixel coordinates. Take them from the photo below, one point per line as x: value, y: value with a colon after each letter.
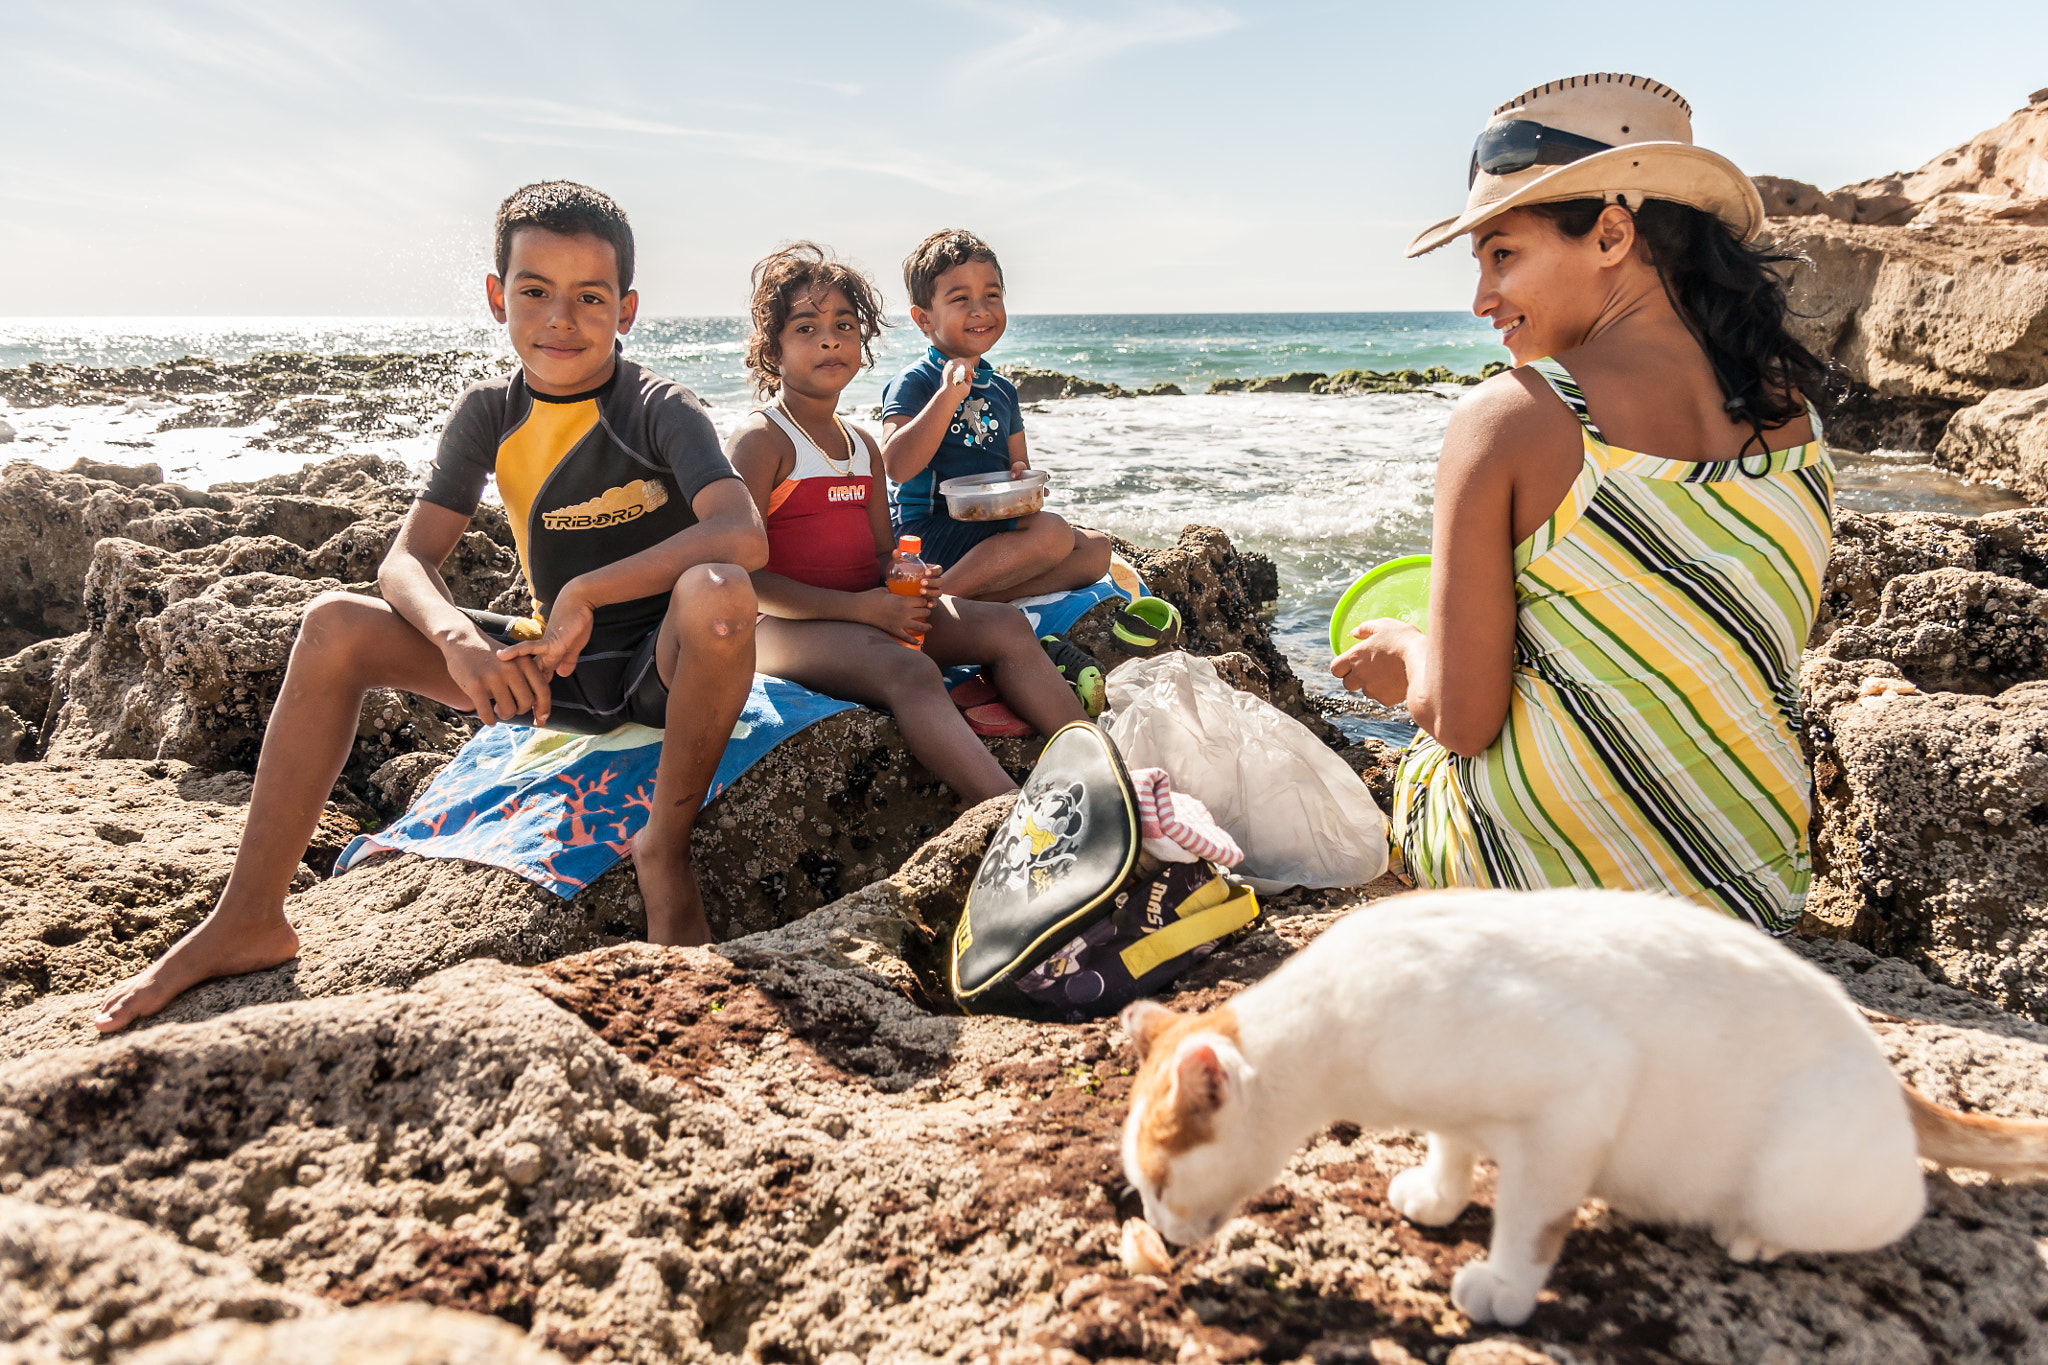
x: 827, y: 621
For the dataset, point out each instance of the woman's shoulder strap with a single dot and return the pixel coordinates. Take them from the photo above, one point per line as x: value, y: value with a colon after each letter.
x: 1568, y: 392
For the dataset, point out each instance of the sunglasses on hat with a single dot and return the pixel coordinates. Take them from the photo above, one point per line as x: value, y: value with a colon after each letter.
x: 1518, y: 144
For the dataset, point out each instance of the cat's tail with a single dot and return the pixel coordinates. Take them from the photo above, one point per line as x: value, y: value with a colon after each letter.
x: 2005, y: 1147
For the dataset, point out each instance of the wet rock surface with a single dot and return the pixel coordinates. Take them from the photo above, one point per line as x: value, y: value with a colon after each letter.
x: 300, y: 402
x: 1037, y: 386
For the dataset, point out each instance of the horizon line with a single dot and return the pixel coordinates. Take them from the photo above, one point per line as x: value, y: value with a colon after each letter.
x: 44, y: 319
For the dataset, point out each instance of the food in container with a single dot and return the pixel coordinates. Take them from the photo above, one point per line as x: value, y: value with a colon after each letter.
x: 992, y: 497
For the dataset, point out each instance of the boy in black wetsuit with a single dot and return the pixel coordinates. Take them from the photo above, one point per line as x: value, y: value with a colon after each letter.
x: 637, y: 539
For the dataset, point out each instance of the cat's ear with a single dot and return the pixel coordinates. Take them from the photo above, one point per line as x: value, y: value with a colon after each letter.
x: 1200, y: 1081
x: 1144, y: 1020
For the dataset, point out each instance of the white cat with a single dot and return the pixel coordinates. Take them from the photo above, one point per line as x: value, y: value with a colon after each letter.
x: 1669, y: 1060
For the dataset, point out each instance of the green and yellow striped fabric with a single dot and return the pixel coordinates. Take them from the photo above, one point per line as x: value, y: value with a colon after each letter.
x: 1652, y: 738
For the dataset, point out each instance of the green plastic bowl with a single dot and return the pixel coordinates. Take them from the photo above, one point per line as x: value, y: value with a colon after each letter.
x: 1398, y: 589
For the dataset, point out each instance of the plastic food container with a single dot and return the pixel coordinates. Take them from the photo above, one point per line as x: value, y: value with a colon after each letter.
x: 992, y: 497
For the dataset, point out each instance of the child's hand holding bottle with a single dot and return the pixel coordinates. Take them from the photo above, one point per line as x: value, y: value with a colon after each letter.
x: 905, y: 608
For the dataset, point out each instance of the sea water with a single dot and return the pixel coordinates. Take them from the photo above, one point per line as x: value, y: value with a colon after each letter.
x: 1327, y: 486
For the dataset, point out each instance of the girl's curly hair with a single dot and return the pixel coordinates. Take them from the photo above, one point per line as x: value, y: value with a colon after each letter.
x: 804, y: 268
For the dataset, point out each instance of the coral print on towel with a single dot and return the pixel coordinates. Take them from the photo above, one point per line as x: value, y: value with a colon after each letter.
x: 613, y: 507
x: 1040, y: 842
x: 976, y: 424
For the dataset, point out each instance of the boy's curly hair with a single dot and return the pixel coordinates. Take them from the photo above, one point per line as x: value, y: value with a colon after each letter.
x: 807, y: 268
x: 570, y: 209
x: 937, y: 254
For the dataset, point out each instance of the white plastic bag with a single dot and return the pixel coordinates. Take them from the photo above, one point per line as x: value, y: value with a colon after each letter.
x: 1302, y: 817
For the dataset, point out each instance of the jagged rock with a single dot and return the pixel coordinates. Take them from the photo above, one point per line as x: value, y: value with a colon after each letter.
x: 1400, y: 381
x: 1931, y: 836
x: 127, y: 475
x: 308, y: 400
x: 2002, y: 440
x: 1224, y: 596
x: 1930, y: 318
x: 673, y: 1155
x: 189, y: 648
x: 1296, y: 381
x: 833, y: 810
x: 1872, y: 549
x: 104, y: 865
x: 1926, y: 699
x: 1954, y: 630
x: 1037, y: 386
x: 26, y: 682
x: 381, y: 926
x: 1916, y: 313
x: 404, y: 778
x: 385, y: 1334
x: 51, y: 523
x: 1784, y: 198
x: 76, y: 1285
x: 896, y: 929
x: 1998, y: 176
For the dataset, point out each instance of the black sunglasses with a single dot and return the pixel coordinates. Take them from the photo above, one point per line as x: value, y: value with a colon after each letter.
x: 1518, y: 144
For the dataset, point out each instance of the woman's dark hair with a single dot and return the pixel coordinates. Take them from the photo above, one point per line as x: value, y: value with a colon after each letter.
x: 804, y: 268
x: 1728, y: 295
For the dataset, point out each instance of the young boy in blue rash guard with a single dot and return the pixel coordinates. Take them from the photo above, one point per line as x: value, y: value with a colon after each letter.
x: 636, y: 536
x: 950, y: 415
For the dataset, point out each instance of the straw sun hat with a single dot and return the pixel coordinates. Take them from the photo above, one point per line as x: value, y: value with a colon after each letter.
x: 1607, y: 135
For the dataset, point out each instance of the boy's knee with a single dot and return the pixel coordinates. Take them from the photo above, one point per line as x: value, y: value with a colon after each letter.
x: 716, y: 600
x: 334, y: 618
x: 1094, y: 547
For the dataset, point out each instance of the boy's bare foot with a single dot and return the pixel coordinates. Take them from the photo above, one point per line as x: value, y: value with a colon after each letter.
x: 215, y: 947
x: 668, y: 885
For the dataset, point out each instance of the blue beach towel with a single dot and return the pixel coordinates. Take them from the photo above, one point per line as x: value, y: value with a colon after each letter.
x: 560, y: 809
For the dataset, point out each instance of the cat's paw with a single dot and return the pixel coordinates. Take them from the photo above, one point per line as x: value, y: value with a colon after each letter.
x: 1746, y: 1247
x: 1416, y: 1195
x: 1485, y: 1295
x: 1742, y: 1246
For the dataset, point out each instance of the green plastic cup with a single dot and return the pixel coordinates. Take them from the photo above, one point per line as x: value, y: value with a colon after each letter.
x: 1398, y: 589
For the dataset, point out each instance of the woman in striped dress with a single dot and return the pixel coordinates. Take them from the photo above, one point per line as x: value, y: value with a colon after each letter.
x: 1631, y: 530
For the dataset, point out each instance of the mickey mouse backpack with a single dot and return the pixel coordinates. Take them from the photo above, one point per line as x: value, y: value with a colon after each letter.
x: 1068, y: 919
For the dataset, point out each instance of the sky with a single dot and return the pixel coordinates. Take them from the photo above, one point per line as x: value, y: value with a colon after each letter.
x: 214, y: 157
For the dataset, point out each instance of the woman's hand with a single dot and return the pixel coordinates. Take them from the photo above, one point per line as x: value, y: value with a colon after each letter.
x: 904, y: 617
x: 1378, y: 665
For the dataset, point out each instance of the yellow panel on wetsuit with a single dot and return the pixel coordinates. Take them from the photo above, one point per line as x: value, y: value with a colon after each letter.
x: 530, y: 452
x: 588, y: 479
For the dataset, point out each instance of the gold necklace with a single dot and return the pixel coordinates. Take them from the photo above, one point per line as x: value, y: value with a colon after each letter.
x: 842, y: 471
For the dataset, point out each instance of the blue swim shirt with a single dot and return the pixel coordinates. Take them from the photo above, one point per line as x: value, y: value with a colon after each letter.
x: 977, y: 441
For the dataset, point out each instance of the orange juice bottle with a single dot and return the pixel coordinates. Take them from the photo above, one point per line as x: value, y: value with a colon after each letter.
x: 906, y: 574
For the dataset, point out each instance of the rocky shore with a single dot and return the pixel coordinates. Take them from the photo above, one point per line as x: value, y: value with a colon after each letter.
x: 1037, y: 386
x: 1930, y: 290
x: 474, y: 1122
x: 473, y: 1114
